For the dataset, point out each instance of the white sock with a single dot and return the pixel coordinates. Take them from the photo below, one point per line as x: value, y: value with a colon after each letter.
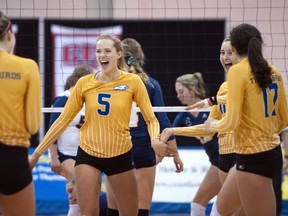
x: 197, y: 210
x: 214, y: 211
x: 74, y: 210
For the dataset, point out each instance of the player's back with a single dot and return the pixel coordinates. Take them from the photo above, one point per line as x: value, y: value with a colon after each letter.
x: 262, y: 111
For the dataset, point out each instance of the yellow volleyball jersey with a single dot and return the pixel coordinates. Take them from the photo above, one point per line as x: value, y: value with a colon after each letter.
x: 105, y: 132
x: 20, y: 98
x: 225, y: 140
x: 256, y: 115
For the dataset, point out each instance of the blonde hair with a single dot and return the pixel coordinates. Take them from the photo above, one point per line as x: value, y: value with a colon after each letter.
x: 194, y: 82
x: 117, y: 44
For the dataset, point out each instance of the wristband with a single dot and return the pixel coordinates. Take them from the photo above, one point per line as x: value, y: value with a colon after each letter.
x: 212, y: 100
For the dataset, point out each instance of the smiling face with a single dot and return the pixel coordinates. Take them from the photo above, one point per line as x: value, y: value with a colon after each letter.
x: 184, y: 95
x: 106, y: 55
x: 225, y: 55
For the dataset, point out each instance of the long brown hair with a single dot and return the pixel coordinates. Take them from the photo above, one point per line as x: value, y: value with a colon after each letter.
x: 135, y: 58
x: 247, y: 40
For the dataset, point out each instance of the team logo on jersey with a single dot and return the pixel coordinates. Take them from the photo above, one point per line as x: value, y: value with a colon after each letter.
x: 121, y: 87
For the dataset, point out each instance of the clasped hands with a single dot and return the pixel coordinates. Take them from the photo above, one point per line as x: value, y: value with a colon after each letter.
x: 162, y: 149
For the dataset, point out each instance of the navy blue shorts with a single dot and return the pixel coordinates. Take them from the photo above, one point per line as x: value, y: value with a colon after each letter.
x: 110, y: 166
x: 143, y: 153
x: 227, y: 161
x: 267, y: 164
x: 211, y: 149
x: 62, y: 157
x: 15, y: 172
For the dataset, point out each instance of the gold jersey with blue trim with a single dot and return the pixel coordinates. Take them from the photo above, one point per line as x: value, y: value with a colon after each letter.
x: 225, y: 139
x: 256, y: 115
x: 20, y: 96
x: 105, y: 132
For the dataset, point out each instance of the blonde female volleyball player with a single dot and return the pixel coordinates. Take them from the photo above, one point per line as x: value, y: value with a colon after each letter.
x: 143, y: 154
x: 105, y: 141
x: 257, y: 113
x: 191, y: 88
x: 63, y: 153
x: 20, y: 117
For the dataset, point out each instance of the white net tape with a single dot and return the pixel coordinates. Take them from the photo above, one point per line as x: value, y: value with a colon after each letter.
x: 155, y: 109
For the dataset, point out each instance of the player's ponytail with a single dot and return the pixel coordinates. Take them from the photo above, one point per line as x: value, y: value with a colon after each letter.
x: 247, y: 40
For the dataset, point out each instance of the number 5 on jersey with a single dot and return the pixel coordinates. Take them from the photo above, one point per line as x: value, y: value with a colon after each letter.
x: 103, y: 99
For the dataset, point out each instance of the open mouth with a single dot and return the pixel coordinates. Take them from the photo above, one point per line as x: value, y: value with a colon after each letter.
x: 227, y: 66
x: 104, y: 63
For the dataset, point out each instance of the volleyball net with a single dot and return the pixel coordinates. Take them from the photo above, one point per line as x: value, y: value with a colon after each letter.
x: 177, y: 37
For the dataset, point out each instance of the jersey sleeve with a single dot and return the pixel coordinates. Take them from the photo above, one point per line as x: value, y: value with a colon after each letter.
x: 143, y: 101
x: 234, y: 103
x: 72, y: 107
x: 221, y: 99
x: 192, y: 131
x: 33, y: 98
x: 282, y: 106
x: 215, y: 113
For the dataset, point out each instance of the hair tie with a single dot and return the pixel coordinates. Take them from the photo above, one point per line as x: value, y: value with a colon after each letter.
x: 130, y: 60
x: 253, y: 37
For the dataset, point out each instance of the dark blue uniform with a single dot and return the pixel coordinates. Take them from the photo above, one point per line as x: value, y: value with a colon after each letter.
x: 143, y: 153
x: 185, y: 119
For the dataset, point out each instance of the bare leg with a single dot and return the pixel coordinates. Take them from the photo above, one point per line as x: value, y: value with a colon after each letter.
x: 229, y: 195
x: 256, y: 194
x: 222, y: 176
x: 209, y: 187
x: 21, y: 203
x: 88, y: 184
x: 145, y: 183
x: 124, y: 190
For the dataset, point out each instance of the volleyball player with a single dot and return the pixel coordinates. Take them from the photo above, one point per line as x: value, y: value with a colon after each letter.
x: 105, y: 141
x: 63, y: 153
x: 257, y: 113
x: 20, y: 117
x: 190, y: 89
x: 143, y: 153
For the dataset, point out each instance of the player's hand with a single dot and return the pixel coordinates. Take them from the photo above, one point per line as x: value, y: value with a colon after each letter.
x: 178, y: 163
x: 55, y: 165
x: 166, y: 133
x: 198, y: 105
x: 158, y: 159
x: 162, y: 149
